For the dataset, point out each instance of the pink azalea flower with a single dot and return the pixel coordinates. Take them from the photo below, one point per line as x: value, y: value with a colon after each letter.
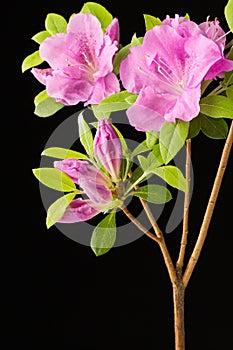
x: 107, y: 148
x: 79, y: 210
x: 166, y: 71
x: 81, y: 61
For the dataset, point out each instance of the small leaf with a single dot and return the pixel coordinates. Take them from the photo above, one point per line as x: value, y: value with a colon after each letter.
x: 104, y: 235
x: 137, y: 173
x: 54, y: 178
x: 40, y: 97
x: 217, y: 107
x: 172, y: 138
x: 62, y: 153
x: 173, y: 176
x: 144, y: 164
x: 114, y: 102
x: 98, y: 11
x: 122, y: 140
x: 86, y: 137
x: 31, y: 61
x: 135, y: 41
x: 119, y: 57
x: 194, y: 127
x: 131, y: 99
x: 154, y: 158
x: 214, y: 128
x: 154, y: 194
x: 229, y: 92
x: 46, y: 106
x: 141, y: 148
x: 151, y: 21
x: 41, y: 36
x: 57, y: 209
x: 55, y: 23
x: 228, y: 11
x: 152, y: 137
x: 97, y: 114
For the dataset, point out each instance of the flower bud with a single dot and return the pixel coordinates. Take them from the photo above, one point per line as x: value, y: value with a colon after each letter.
x: 107, y: 148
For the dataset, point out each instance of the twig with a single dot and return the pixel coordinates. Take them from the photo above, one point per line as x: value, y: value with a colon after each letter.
x: 210, y: 208
x: 183, y: 243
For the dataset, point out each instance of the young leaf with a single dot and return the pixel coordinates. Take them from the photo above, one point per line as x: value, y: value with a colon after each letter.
x: 62, y: 153
x: 229, y: 92
x: 54, y: 178
x: 217, y: 107
x: 104, y: 235
x: 154, y: 194
x: 144, y: 163
x: 41, y: 36
x: 172, y: 175
x: 31, y: 61
x: 122, y: 140
x: 141, y: 148
x: 97, y: 114
x: 228, y: 11
x: 155, y: 159
x: 137, y: 173
x: 151, y: 22
x: 114, y: 102
x: 194, y: 127
x: 55, y: 23
x: 57, y: 209
x: 214, y: 128
x: 172, y: 138
x: 46, y: 106
x: 98, y: 11
x: 135, y: 41
x: 86, y: 137
x: 152, y: 137
x: 119, y: 57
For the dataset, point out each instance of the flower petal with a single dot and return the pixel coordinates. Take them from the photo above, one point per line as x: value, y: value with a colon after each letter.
x: 53, y: 50
x: 113, y: 31
x: 71, y: 167
x: 42, y: 74
x: 79, y: 210
x: 97, y: 192
x: 105, y: 58
x: 104, y: 87
x: 218, y: 69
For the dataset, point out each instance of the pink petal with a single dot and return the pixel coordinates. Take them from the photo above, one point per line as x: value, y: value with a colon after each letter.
x: 42, y: 74
x: 105, y: 58
x: 113, y: 31
x: 104, y: 87
x: 218, y: 69
x: 71, y: 167
x: 79, y: 210
x: 53, y: 50
x: 97, y: 192
x: 67, y: 90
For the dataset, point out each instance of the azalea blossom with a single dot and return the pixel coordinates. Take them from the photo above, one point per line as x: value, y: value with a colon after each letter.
x: 81, y: 61
x: 167, y: 71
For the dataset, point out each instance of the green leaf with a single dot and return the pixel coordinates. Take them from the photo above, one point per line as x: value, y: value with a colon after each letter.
x: 41, y: 36
x: 55, y: 23
x: 217, y: 107
x: 114, y: 102
x: 141, y: 148
x: 135, y: 41
x: 98, y: 114
x: 154, y: 194
x: 214, y: 128
x: 31, y: 61
x: 229, y: 92
x: 228, y: 11
x: 104, y: 235
x: 122, y: 139
x: 131, y: 99
x: 187, y: 16
x: 194, y: 127
x: 86, y: 137
x: 62, y: 153
x: 173, y: 176
x: 152, y: 137
x: 119, y: 57
x: 172, y: 138
x: 57, y: 209
x: 144, y: 163
x: 137, y: 173
x: 54, y: 178
x: 98, y: 11
x: 46, y: 106
x: 155, y: 159
x: 151, y: 21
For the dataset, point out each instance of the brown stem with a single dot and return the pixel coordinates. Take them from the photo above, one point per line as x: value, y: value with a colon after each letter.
x: 178, y: 302
x: 210, y: 208
x: 180, y: 261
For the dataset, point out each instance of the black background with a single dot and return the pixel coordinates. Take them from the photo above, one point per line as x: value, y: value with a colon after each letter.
x: 59, y: 295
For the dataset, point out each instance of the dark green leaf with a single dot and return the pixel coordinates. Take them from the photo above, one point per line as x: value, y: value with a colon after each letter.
x: 173, y: 176
x: 154, y: 194
x: 86, y: 137
x: 41, y: 36
x: 217, y: 107
x: 57, y: 209
x: 151, y: 21
x: 62, y: 153
x: 31, y: 61
x: 98, y: 11
x: 229, y: 92
x: 214, y: 128
x: 55, y: 23
x: 54, y: 178
x: 194, y: 127
x: 104, y: 235
x: 172, y: 138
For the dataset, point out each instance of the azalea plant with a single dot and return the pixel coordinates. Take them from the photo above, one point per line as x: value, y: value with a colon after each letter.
x: 173, y: 83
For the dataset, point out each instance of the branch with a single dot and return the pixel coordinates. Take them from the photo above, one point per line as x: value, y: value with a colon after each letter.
x: 180, y: 261
x: 210, y: 208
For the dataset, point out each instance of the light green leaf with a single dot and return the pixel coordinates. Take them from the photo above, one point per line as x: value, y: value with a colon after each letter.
x: 194, y: 127
x: 172, y: 138
x: 141, y: 148
x: 41, y: 36
x: 144, y: 163
x: 55, y: 23
x: 173, y: 176
x: 46, y: 106
x: 122, y: 139
x: 135, y: 41
x: 154, y: 158
x: 187, y: 16
x: 152, y: 137
x: 57, y: 209
x: 228, y: 11
x: 151, y: 21
x: 154, y: 194
x: 62, y: 153
x: 214, y: 128
x: 137, y: 173
x: 31, y: 61
x: 131, y: 99
x: 119, y: 57
x: 98, y: 11
x: 114, y: 102
x: 98, y: 114
x: 217, y: 107
x: 86, y: 137
x: 54, y: 178
x: 104, y: 235
x: 229, y: 92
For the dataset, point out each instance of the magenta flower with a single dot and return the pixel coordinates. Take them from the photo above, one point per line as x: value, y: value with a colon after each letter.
x: 166, y: 71
x: 107, y: 148
x: 79, y: 210
x: 81, y: 61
